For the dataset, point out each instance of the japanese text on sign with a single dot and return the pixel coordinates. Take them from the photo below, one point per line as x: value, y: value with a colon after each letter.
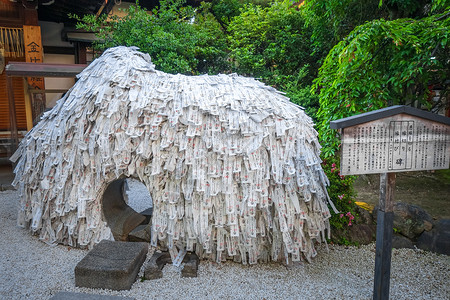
x: 398, y: 143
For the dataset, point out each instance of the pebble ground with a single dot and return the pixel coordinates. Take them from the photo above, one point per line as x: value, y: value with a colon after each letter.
x: 31, y: 269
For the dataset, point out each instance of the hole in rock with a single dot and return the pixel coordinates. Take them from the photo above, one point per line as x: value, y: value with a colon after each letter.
x: 136, y: 195
x: 127, y: 207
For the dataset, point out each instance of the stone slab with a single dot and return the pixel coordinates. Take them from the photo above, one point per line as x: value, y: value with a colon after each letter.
x: 111, y: 265
x: 83, y: 296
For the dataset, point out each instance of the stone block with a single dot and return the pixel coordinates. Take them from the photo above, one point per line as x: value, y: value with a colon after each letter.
x: 153, y: 269
x: 111, y: 265
x: 83, y: 296
x: 142, y: 233
x: 191, y: 265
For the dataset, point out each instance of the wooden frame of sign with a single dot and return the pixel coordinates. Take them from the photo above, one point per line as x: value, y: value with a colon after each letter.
x: 389, y: 140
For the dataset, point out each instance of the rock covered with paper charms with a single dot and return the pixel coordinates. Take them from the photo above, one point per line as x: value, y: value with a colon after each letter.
x: 232, y: 165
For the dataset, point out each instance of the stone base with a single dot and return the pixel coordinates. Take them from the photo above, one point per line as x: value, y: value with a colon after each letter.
x: 82, y: 296
x: 111, y: 265
x: 190, y: 266
x: 153, y: 269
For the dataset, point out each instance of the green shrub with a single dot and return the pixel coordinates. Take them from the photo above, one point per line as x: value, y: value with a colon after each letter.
x: 178, y: 38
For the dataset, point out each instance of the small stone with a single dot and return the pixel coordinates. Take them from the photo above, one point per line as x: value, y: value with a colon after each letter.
x: 142, y: 233
x: 191, y: 266
x: 153, y: 269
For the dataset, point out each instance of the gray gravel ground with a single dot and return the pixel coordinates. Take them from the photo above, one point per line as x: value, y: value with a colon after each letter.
x: 30, y: 269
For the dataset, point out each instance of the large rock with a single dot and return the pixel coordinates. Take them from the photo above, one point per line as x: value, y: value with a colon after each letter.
x: 400, y: 241
x: 121, y: 218
x: 410, y: 220
x: 111, y: 265
x: 436, y: 240
x: 360, y: 234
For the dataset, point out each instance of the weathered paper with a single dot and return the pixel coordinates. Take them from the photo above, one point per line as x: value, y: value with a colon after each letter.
x: 232, y: 165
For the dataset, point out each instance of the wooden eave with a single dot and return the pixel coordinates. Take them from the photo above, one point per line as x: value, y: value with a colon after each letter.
x: 387, y: 112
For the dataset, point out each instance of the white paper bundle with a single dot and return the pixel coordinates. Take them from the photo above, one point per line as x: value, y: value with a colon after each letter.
x: 232, y: 165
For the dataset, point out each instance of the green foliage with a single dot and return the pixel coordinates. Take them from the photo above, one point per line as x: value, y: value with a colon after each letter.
x: 272, y: 44
x: 341, y: 193
x: 332, y: 20
x: 178, y: 39
x: 225, y: 10
x: 381, y: 63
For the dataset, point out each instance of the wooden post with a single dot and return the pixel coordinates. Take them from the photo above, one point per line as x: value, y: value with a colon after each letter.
x: 28, y: 105
x: 12, y: 115
x: 385, y: 218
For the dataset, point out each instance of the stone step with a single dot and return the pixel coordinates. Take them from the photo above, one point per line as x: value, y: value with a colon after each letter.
x: 111, y: 265
x: 83, y: 296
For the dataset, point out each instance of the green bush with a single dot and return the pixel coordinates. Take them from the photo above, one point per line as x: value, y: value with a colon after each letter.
x: 272, y: 44
x: 178, y: 38
x: 379, y: 64
x: 342, y: 194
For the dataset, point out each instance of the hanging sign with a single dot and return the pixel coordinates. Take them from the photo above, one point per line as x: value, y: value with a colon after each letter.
x: 394, y: 139
x: 395, y: 144
x: 33, y: 52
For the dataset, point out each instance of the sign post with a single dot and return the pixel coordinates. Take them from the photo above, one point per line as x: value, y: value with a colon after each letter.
x: 386, y: 141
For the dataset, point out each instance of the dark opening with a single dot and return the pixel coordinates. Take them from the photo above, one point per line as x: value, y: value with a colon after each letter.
x: 125, y: 222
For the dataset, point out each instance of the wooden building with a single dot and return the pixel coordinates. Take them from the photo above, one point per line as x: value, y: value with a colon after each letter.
x: 39, y: 31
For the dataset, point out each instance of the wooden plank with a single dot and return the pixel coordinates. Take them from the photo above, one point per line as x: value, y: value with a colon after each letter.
x: 46, y: 70
x: 385, y: 219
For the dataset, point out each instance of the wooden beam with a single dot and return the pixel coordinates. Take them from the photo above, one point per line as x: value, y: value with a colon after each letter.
x: 59, y: 50
x: 21, y: 69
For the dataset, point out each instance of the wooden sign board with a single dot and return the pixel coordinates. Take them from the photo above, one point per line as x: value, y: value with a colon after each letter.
x: 33, y: 52
x: 386, y: 141
x: 397, y: 143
